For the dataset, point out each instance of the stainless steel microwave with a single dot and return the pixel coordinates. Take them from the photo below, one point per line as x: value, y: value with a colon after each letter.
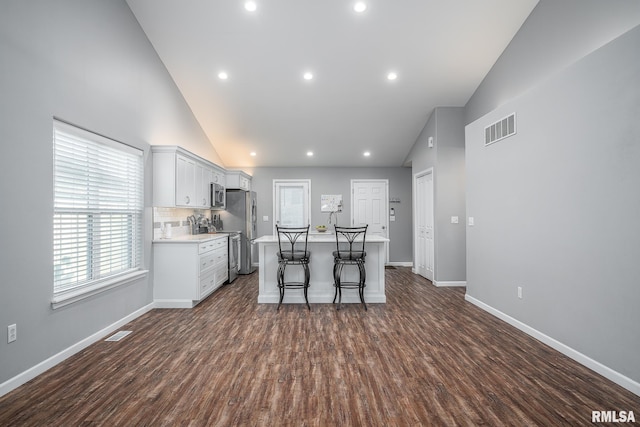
x: 217, y: 196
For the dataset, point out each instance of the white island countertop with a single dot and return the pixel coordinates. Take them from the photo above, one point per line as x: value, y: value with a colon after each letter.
x: 322, y: 238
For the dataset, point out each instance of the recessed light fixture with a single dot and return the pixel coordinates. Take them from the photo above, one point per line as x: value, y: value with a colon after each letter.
x: 251, y: 6
x: 252, y: 154
x: 392, y: 76
x: 222, y: 75
x: 308, y: 75
x: 366, y: 154
x: 309, y: 153
x: 360, y: 6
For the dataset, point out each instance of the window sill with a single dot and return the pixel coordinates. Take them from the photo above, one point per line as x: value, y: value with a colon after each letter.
x: 75, y: 295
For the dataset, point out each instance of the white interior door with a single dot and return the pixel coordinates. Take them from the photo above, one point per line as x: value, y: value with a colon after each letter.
x: 291, y: 203
x: 369, y: 202
x: 424, y: 243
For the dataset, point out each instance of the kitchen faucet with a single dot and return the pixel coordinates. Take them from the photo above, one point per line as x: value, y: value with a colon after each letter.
x: 333, y: 214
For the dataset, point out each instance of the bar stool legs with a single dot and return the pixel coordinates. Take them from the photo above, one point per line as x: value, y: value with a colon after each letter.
x: 360, y: 284
x: 282, y: 266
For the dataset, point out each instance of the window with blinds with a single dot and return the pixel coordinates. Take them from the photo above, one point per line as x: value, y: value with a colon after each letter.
x: 291, y: 202
x: 98, y: 210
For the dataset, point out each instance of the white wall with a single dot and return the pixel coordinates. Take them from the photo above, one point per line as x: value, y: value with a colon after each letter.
x: 89, y: 63
x: 556, y: 209
x: 446, y: 126
x: 556, y: 34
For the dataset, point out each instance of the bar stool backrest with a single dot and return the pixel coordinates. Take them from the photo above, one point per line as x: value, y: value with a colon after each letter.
x: 292, y: 240
x: 350, y: 242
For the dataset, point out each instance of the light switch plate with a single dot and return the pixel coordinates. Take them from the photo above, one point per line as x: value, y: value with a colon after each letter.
x: 454, y: 220
x: 265, y: 218
x: 471, y: 221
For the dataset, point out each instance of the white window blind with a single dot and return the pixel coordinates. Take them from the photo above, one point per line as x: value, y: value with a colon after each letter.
x: 98, y: 209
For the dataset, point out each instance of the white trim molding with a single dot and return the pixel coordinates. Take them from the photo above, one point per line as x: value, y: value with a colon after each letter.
x: 174, y: 303
x: 444, y: 284
x: 605, y: 371
x: 49, y: 363
x: 400, y: 264
x: 78, y: 294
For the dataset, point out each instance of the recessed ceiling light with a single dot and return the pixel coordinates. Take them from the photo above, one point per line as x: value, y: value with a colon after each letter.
x: 310, y: 153
x: 308, y: 75
x: 252, y: 154
x: 222, y: 75
x: 251, y: 6
x: 392, y: 76
x: 366, y: 154
x: 360, y: 6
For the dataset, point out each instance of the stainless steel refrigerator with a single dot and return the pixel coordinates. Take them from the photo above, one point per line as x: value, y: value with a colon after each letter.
x: 241, y: 215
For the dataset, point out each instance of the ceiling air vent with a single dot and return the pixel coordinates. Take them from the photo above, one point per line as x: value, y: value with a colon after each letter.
x: 500, y: 130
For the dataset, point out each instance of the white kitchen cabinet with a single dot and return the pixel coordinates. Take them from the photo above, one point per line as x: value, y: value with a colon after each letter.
x: 185, y: 182
x: 238, y: 180
x: 187, y: 271
x: 182, y: 179
x: 204, y: 178
x: 219, y: 177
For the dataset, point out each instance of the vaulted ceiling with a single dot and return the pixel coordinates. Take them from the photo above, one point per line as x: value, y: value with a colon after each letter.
x: 439, y: 50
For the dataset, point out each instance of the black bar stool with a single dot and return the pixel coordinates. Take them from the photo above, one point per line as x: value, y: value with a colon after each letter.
x: 292, y: 251
x: 349, y: 251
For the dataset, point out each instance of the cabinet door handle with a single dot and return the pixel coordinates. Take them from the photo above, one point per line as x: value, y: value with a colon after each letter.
x: 188, y: 200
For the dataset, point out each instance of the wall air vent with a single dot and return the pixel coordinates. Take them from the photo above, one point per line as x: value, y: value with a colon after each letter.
x: 500, y: 130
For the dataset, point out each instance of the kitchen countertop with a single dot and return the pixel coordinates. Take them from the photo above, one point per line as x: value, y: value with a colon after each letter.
x: 189, y: 238
x: 322, y: 238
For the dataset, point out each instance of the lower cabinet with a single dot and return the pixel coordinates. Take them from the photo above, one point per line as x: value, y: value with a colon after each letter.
x: 186, y: 272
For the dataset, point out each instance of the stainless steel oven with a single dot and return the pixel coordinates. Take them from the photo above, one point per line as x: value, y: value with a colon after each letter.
x: 217, y: 196
x: 234, y: 255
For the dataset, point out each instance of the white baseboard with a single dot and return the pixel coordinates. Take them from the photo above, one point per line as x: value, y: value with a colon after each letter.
x: 605, y: 371
x: 173, y: 303
x: 443, y: 284
x: 400, y: 264
x: 49, y: 363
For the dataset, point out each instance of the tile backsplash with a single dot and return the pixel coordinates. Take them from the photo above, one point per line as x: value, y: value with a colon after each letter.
x: 177, y: 218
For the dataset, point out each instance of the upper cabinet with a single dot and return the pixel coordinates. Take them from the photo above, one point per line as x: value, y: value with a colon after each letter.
x: 182, y: 179
x: 219, y: 177
x: 185, y: 194
x: 238, y: 180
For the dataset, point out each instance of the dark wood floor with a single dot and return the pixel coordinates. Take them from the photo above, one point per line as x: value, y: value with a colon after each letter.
x: 425, y: 358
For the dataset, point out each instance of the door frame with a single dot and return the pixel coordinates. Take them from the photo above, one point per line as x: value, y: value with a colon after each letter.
x: 416, y: 176
x: 278, y: 181
x: 386, y: 210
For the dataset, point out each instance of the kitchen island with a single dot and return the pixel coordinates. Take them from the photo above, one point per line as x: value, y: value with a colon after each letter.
x: 321, y: 289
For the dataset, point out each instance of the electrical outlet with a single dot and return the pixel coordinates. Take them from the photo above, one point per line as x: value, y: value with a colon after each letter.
x: 520, y: 292
x: 12, y: 333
